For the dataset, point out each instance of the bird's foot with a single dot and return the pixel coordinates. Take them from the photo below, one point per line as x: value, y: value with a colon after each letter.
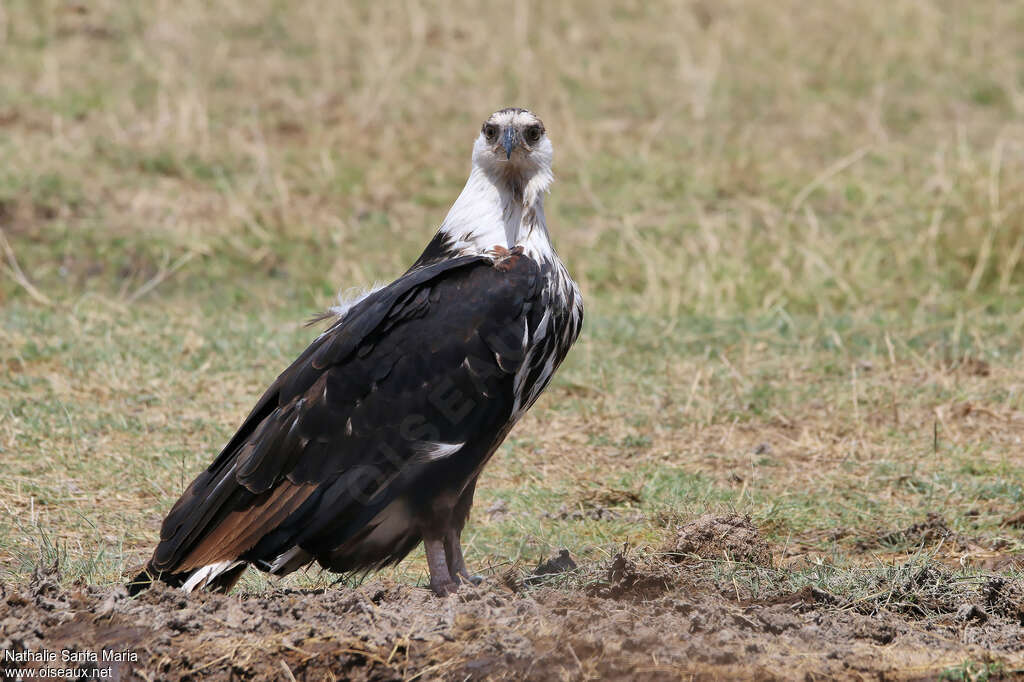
x: 471, y: 579
x: 442, y: 588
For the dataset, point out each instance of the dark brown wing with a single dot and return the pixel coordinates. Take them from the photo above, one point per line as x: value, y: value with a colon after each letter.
x: 341, y: 433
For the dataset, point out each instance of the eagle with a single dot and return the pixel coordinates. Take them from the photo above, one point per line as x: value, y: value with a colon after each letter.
x: 373, y: 439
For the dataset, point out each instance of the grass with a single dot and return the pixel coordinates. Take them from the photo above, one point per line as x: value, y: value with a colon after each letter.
x: 799, y: 232
x: 976, y: 671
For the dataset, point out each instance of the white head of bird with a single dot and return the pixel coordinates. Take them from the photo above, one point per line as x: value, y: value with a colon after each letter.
x: 502, y: 202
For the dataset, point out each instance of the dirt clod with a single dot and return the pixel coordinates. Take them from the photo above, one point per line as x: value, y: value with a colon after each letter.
x: 976, y: 366
x: 561, y: 563
x: 609, y: 497
x: 1015, y: 520
x: 498, y: 510
x: 624, y: 579
x: 971, y: 612
x: 712, y: 536
x: 933, y: 529
x: 1004, y: 598
x: 807, y: 597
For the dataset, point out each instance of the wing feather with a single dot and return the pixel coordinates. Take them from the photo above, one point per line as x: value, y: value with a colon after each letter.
x: 336, y: 437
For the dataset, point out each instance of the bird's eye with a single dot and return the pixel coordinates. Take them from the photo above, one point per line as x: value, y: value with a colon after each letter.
x: 490, y: 131
x: 533, y: 133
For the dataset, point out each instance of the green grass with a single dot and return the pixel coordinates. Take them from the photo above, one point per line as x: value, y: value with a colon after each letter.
x: 800, y: 246
x: 977, y: 671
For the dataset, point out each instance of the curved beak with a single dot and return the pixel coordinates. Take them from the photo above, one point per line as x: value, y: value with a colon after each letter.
x: 509, y: 140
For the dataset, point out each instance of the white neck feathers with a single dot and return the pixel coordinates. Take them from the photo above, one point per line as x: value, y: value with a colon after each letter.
x: 499, y: 209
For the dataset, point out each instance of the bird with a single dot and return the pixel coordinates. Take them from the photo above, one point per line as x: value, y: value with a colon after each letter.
x: 373, y: 439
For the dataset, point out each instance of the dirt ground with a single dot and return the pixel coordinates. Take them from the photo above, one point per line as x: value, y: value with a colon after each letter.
x: 661, y: 616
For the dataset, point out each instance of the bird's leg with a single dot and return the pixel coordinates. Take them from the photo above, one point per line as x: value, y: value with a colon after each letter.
x: 440, y: 579
x: 456, y: 562
x: 453, y: 533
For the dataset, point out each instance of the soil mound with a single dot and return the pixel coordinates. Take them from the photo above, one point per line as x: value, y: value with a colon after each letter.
x: 721, y: 536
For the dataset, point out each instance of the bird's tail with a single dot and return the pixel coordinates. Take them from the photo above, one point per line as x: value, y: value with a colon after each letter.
x: 214, y: 578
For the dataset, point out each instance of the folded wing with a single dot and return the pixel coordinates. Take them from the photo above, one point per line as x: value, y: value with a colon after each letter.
x: 420, y: 372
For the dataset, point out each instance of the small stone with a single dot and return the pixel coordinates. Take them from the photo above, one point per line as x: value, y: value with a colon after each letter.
x: 968, y: 612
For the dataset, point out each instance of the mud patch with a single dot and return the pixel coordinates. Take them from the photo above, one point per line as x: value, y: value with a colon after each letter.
x: 728, y: 537
x: 621, y: 627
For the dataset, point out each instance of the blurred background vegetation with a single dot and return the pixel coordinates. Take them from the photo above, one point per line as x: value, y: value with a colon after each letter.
x: 798, y: 228
x: 713, y: 158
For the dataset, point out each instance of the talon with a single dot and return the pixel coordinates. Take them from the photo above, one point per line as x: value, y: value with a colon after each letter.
x: 467, y: 576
